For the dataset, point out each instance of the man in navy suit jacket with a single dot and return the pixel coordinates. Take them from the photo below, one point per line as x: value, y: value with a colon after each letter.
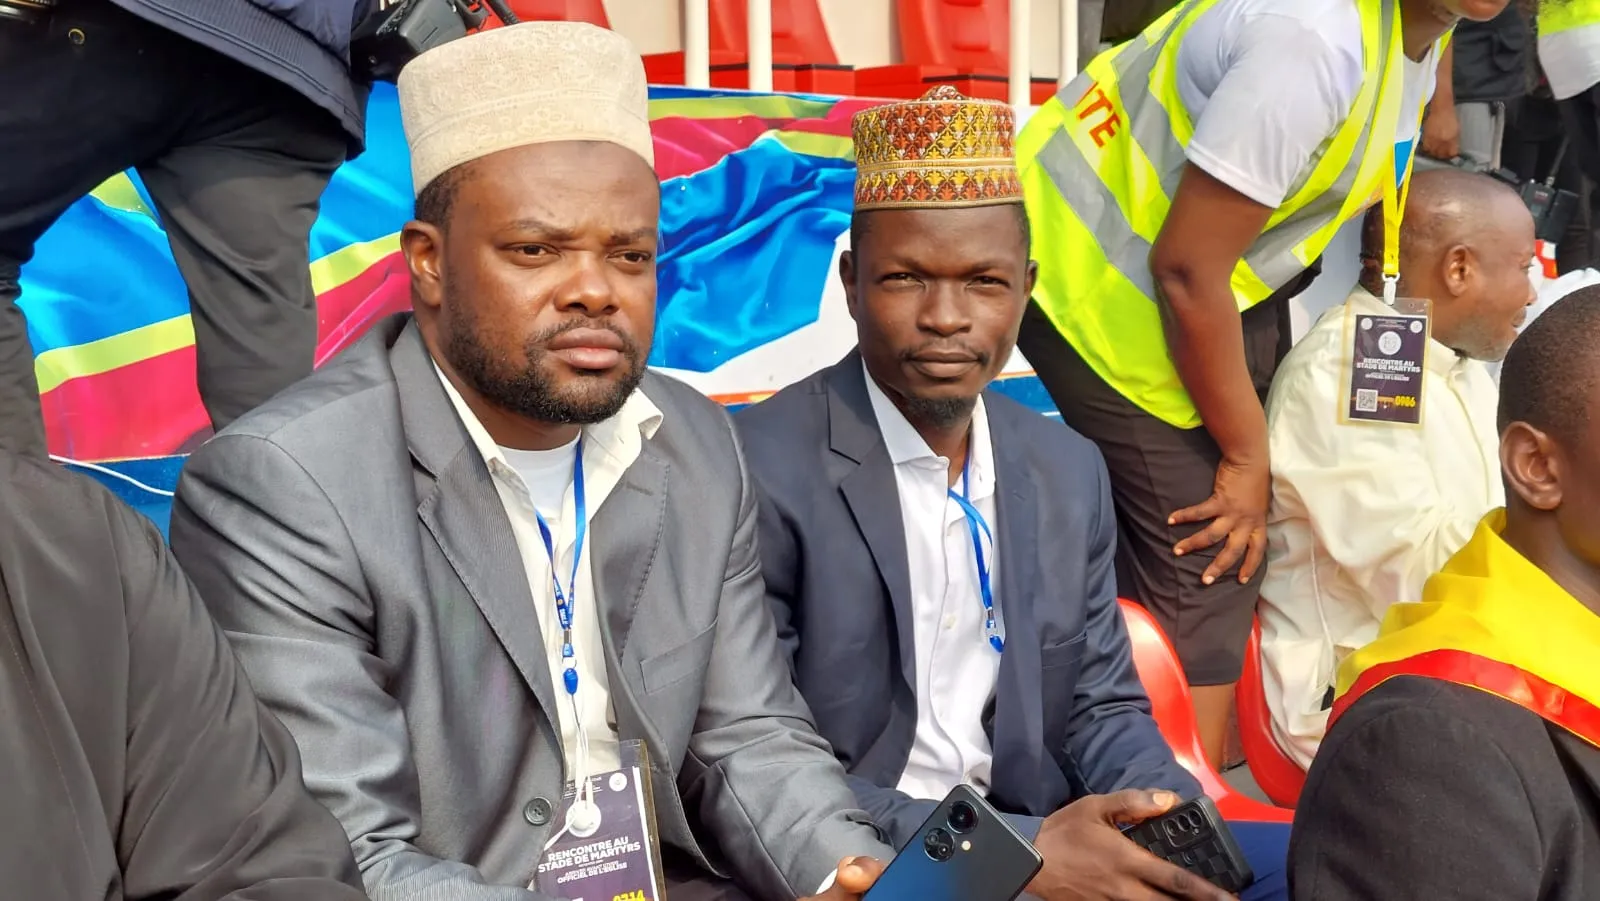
x: 939, y: 558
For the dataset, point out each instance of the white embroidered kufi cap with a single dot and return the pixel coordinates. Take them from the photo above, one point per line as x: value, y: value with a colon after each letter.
x: 531, y: 83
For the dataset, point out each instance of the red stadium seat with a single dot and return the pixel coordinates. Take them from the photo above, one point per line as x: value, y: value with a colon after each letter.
x: 965, y: 43
x: 1277, y: 774
x: 591, y: 11
x: 803, y: 58
x: 1163, y: 680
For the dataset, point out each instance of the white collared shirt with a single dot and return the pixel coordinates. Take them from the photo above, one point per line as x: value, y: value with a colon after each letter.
x: 956, y: 667
x: 542, y: 480
x: 1361, y: 514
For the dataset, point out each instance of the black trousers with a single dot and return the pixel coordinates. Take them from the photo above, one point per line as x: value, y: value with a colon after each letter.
x: 234, y: 161
x: 1580, y: 120
x: 1535, y: 128
x: 1155, y: 469
x: 687, y: 882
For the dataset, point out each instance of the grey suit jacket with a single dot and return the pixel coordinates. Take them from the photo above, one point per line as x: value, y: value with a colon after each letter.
x: 134, y: 761
x: 349, y: 539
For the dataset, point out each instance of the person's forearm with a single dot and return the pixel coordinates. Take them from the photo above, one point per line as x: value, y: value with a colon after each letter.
x: 1444, y: 91
x: 1206, y: 342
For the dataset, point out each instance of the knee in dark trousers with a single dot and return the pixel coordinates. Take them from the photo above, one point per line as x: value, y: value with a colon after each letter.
x: 234, y: 161
x: 687, y: 882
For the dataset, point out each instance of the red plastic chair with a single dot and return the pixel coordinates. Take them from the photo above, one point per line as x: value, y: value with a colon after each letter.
x: 591, y: 11
x: 1277, y: 774
x: 803, y: 58
x: 1163, y: 680
x: 965, y: 43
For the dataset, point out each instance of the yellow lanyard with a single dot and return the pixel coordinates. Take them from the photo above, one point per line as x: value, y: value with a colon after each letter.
x: 1396, y: 188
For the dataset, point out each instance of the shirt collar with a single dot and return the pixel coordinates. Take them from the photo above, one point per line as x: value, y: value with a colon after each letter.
x: 618, y: 437
x: 1442, y: 360
x: 906, y: 445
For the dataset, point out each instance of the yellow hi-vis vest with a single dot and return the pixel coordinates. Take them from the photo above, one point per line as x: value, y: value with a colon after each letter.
x: 1100, y: 163
x: 1556, y: 16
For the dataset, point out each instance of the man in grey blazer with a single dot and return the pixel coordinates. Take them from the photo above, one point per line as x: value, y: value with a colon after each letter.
x: 471, y: 555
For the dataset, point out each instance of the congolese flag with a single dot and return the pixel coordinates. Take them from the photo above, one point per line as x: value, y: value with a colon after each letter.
x: 1493, y: 621
x: 756, y: 190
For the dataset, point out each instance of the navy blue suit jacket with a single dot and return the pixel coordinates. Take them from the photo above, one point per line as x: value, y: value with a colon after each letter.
x: 1069, y: 716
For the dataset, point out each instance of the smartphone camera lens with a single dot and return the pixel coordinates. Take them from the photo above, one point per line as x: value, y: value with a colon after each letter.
x: 939, y: 844
x: 962, y: 818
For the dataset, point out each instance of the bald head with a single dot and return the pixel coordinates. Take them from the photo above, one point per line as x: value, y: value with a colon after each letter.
x: 1446, y: 207
x: 1466, y: 244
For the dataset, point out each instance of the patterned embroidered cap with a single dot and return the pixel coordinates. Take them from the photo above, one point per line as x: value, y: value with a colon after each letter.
x: 944, y: 150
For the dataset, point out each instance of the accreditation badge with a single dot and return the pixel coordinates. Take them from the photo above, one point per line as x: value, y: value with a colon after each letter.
x: 616, y: 855
x: 1385, y: 362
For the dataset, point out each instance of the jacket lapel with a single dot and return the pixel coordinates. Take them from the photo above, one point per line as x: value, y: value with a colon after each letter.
x: 626, y: 532
x: 1018, y: 730
x: 869, y: 490
x: 459, y: 506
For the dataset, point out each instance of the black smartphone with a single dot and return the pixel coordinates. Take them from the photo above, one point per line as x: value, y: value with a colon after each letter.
x: 1194, y: 836
x: 965, y: 851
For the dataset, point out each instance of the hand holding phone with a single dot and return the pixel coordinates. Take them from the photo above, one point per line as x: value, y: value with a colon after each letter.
x: 1194, y: 836
x: 852, y: 880
x: 965, y: 851
x: 1088, y: 858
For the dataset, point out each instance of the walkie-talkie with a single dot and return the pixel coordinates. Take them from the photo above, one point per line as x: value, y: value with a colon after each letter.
x: 1552, y: 207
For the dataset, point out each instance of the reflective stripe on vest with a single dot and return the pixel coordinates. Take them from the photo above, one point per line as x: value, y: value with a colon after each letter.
x: 1100, y: 163
x: 1556, y: 16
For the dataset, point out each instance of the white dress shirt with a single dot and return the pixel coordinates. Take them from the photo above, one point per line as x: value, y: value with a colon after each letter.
x: 542, y: 480
x: 955, y: 664
x: 1362, y: 514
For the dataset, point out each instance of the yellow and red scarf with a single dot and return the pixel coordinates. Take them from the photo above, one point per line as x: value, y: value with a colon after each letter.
x: 1491, y: 620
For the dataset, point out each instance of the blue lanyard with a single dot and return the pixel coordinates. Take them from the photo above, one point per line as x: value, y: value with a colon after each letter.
x: 565, y: 599
x: 979, y: 528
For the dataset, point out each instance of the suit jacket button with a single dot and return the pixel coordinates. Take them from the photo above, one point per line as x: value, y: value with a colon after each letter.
x: 537, y: 812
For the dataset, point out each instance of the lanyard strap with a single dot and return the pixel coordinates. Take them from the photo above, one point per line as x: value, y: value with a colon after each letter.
x: 565, y: 599
x: 1396, y: 184
x: 978, y: 527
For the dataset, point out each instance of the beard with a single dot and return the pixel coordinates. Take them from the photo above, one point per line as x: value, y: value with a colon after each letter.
x: 532, y: 385
x: 937, y: 412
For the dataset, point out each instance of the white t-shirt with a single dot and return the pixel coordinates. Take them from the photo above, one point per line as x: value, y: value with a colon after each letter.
x: 1267, y: 81
x: 1571, y: 60
x: 546, y: 479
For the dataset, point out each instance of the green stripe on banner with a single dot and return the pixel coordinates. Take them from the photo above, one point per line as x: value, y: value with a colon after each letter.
x: 119, y: 193
x: 810, y: 143
x: 350, y: 261
x: 761, y: 106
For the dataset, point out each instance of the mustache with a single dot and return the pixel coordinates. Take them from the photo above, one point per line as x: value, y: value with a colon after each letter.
x: 945, y: 347
x: 630, y: 347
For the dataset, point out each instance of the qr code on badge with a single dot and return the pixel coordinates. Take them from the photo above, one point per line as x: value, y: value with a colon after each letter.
x: 1366, y: 400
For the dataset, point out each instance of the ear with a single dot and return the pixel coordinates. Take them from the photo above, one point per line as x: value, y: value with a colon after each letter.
x: 1531, y: 464
x: 1030, y: 279
x: 423, y: 245
x: 847, y: 279
x: 1460, y: 269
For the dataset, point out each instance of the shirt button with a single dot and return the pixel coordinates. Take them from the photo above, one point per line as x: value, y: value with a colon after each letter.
x: 949, y: 623
x: 537, y: 812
